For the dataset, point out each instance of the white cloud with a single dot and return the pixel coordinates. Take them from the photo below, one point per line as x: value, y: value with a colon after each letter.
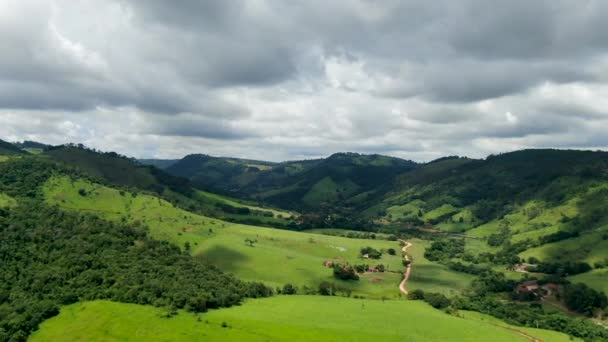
x: 291, y: 80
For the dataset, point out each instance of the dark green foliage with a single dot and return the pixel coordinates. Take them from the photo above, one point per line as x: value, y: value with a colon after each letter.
x: 561, y: 268
x: 417, y: 294
x: 327, y: 289
x: 289, y: 289
x: 345, y: 272
x: 436, y: 300
x: 583, y: 299
x: 49, y: 257
x: 286, y: 184
x: 8, y: 149
x: 532, y: 315
x: 391, y: 251
x: 445, y: 249
x: 371, y: 252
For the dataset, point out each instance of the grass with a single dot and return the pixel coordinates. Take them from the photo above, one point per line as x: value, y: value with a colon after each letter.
x: 278, y: 257
x: 531, y: 220
x: 438, y: 212
x: 433, y: 277
x: 591, y: 248
x: 409, y: 210
x: 597, y: 279
x: 215, y: 198
x: 326, y: 190
x: 6, y: 201
x: 285, y: 318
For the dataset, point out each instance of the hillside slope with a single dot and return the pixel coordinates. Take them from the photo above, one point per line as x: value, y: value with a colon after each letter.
x: 343, y: 179
x: 285, y: 318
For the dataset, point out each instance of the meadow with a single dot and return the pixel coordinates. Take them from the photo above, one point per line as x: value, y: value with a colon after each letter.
x: 431, y: 276
x: 292, y: 318
x: 597, y: 279
x: 591, y: 247
x: 278, y: 257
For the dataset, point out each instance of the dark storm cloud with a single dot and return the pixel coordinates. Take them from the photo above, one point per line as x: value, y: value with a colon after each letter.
x: 392, y: 75
x: 189, y: 125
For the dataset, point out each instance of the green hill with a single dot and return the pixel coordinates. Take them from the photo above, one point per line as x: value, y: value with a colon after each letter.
x: 8, y: 149
x: 293, y: 318
x: 310, y: 184
x: 114, y: 169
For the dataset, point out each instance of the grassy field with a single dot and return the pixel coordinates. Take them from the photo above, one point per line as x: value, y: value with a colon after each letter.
x: 597, y: 279
x: 431, y: 276
x: 215, y: 198
x: 284, y: 318
x: 6, y: 201
x: 531, y: 220
x: 591, y: 248
x: 278, y: 257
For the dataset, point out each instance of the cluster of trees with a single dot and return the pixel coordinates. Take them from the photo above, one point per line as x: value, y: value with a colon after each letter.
x: 445, y: 249
x: 583, y: 299
x: 371, y: 252
x: 561, y: 268
x: 436, y: 300
x: 345, y: 272
x: 366, y: 268
x: 532, y: 315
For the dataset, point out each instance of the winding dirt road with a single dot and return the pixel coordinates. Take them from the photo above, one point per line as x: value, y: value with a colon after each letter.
x: 408, y: 271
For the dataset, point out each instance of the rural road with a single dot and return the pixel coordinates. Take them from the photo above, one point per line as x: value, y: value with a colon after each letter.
x: 403, y: 290
x: 408, y: 271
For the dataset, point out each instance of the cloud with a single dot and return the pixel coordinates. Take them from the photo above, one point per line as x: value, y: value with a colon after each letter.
x: 287, y: 80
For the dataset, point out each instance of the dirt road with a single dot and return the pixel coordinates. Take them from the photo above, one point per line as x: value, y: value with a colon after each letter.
x: 408, y: 271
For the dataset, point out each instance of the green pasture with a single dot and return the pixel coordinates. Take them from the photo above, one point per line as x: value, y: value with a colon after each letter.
x: 282, y: 318
x: 278, y: 256
x: 433, y: 277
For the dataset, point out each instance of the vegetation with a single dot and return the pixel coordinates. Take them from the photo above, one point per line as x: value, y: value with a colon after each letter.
x: 294, y: 318
x: 51, y: 258
x: 279, y: 256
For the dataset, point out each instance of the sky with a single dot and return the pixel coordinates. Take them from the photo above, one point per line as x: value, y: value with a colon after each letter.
x: 283, y: 80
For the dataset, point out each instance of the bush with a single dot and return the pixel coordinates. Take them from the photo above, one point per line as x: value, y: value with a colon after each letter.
x: 391, y: 251
x: 417, y: 294
x: 437, y: 300
x: 289, y: 289
x: 345, y: 272
x: 371, y: 252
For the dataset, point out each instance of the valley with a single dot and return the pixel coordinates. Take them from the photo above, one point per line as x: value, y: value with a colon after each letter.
x: 434, y: 246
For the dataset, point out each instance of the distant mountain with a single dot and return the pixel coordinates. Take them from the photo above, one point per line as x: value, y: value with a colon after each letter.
x: 159, y: 163
x: 336, y: 180
x: 8, y: 149
x: 32, y: 144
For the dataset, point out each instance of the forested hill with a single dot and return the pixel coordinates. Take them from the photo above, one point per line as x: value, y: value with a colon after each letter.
x: 117, y: 170
x: 7, y: 148
x: 309, y: 184
x: 50, y: 257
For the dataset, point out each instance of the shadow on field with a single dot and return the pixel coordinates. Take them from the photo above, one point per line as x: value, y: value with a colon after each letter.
x: 223, y: 257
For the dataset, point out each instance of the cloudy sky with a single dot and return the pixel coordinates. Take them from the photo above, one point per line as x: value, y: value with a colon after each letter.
x: 281, y: 80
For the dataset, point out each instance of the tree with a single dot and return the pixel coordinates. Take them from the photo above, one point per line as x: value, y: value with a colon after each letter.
x: 391, y: 251
x: 417, y: 294
x: 437, y: 300
x: 326, y: 289
x: 345, y: 272
x: 289, y: 289
x: 82, y: 192
x: 371, y: 252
